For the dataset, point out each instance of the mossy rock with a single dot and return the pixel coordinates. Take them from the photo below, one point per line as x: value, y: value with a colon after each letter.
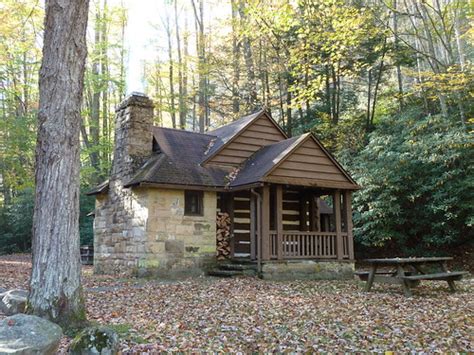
x: 95, y: 340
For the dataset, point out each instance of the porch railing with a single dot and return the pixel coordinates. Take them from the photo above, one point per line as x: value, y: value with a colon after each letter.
x: 308, y: 245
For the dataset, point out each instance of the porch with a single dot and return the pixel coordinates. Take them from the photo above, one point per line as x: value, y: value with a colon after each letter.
x: 276, y: 222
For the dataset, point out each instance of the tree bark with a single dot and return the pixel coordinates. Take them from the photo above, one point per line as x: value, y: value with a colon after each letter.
x: 55, y: 285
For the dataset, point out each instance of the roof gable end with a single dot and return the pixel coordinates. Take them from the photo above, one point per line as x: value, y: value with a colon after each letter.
x: 310, y: 163
x: 236, y: 142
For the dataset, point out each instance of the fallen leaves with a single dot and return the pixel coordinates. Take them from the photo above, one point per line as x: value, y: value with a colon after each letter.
x: 252, y: 315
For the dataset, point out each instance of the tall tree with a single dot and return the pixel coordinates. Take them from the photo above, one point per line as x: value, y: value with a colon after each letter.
x: 167, y: 26
x: 56, y: 291
x: 181, y: 98
x: 201, y: 51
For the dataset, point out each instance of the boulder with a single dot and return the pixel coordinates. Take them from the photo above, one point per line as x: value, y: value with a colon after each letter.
x: 13, y: 302
x: 23, y: 334
x: 95, y: 340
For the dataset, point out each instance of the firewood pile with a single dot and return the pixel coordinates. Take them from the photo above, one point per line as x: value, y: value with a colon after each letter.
x: 223, y: 235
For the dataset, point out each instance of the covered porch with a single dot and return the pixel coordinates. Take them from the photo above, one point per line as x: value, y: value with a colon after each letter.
x: 277, y: 222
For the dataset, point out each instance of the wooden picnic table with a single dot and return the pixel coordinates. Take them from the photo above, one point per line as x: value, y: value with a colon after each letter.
x: 408, y: 272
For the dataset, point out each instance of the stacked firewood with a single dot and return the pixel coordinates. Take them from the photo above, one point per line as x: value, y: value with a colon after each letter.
x: 223, y: 235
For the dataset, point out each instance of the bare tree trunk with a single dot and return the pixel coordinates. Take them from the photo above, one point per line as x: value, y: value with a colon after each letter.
x: 181, y: 103
x: 105, y: 84
x: 94, y: 122
x: 398, y: 68
x: 281, y: 93
x: 55, y: 285
x: 185, y: 68
x: 201, y: 50
x: 248, y: 56
x: 122, y: 58
x: 171, y: 74
x: 369, y: 96
x: 289, y: 117
x: 235, y: 61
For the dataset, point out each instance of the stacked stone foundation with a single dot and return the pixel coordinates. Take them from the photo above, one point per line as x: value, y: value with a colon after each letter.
x: 307, y: 270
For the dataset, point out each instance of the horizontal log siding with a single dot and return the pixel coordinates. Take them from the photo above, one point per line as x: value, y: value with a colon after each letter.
x: 242, y: 222
x: 309, y: 162
x: 259, y: 134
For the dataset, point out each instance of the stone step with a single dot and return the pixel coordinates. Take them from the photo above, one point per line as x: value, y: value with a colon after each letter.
x: 237, y: 267
x: 224, y: 273
x: 243, y: 261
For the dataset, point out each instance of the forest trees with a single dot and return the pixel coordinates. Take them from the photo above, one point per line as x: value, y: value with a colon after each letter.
x: 20, y: 58
x: 56, y: 292
x: 104, y: 88
x: 339, y: 68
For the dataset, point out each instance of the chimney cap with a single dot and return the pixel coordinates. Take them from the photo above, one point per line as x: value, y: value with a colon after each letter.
x: 138, y: 93
x: 135, y: 99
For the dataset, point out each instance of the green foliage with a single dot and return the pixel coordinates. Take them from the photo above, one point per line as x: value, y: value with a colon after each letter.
x: 16, y: 220
x: 87, y: 205
x: 418, y: 184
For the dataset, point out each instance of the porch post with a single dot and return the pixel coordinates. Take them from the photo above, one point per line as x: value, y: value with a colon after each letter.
x: 337, y: 215
x: 265, y: 223
x: 279, y: 220
x: 348, y: 212
x: 315, y: 218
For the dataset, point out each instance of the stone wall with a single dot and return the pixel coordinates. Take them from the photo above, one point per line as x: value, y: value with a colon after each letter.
x: 178, y: 245
x: 148, y: 234
x: 308, y: 270
x: 143, y: 230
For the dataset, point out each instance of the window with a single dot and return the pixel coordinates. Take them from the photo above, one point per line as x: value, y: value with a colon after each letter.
x: 193, y: 205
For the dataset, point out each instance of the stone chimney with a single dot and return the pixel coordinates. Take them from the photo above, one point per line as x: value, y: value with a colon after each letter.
x: 133, y: 136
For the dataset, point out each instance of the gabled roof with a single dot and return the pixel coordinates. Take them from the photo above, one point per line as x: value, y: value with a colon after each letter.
x: 226, y: 134
x: 179, y: 155
x: 177, y: 161
x: 261, y: 162
x: 261, y: 165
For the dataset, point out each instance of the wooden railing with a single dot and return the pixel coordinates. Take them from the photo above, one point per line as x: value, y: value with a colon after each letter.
x: 307, y: 245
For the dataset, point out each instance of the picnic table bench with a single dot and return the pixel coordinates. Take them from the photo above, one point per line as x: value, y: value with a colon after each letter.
x: 408, y: 272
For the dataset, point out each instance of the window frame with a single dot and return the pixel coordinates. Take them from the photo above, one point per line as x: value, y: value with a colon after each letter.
x: 199, y: 195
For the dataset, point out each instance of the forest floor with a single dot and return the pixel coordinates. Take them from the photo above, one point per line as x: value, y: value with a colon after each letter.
x: 252, y: 315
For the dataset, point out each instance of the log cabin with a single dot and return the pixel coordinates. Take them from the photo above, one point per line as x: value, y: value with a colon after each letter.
x: 178, y: 203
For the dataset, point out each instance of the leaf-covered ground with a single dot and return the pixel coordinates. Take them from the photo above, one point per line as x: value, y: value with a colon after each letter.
x: 248, y: 314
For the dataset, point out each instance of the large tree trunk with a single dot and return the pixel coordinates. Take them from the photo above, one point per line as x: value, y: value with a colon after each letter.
x: 55, y: 283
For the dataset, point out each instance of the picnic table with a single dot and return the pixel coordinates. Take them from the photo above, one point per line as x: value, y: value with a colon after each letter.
x: 408, y: 272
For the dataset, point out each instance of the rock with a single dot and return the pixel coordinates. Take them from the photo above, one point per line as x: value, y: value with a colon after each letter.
x: 95, y: 340
x: 13, y: 302
x: 23, y: 334
x: 2, y: 290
